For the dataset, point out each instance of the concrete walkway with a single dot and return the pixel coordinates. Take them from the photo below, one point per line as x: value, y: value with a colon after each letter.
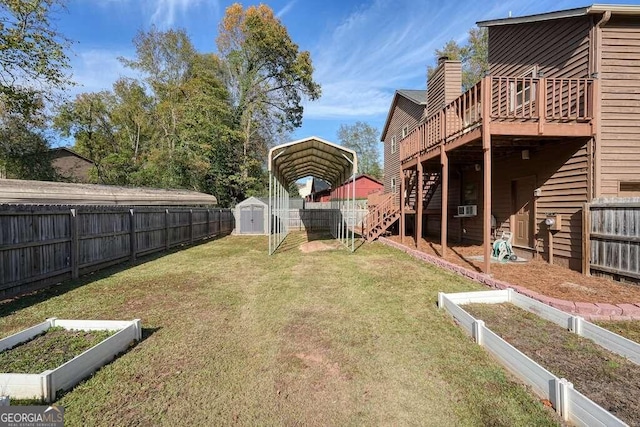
x: 590, y: 311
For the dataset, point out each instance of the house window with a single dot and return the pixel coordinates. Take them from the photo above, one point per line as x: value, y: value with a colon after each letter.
x: 405, y: 131
x: 522, y: 91
x: 393, y: 185
x: 394, y: 145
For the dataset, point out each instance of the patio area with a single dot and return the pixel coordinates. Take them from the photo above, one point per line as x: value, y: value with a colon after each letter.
x: 536, y: 275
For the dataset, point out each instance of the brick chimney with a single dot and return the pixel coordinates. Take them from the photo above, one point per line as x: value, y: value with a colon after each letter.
x: 444, y: 85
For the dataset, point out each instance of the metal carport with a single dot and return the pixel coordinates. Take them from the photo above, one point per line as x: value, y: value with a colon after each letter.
x: 321, y: 159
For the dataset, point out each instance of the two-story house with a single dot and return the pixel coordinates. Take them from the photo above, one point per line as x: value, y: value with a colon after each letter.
x: 555, y: 124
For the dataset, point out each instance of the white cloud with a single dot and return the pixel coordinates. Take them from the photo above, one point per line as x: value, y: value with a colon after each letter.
x: 97, y: 69
x: 384, y: 46
x: 286, y: 9
x: 164, y: 13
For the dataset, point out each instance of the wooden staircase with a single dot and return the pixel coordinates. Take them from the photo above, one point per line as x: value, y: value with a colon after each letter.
x: 430, y: 183
x: 381, y: 215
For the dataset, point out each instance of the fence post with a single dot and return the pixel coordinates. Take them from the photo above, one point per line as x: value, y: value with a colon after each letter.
x: 166, y: 230
x: 440, y: 299
x: 133, y: 243
x: 586, y: 239
x: 220, y: 223
x: 208, y: 224
x: 191, y: 226
x: 74, y: 255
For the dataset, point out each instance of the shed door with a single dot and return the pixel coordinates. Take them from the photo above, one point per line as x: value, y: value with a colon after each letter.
x: 522, y: 218
x: 252, y: 219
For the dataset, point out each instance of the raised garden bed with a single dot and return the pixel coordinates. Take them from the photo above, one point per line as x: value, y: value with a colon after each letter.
x: 49, y: 350
x: 57, y: 354
x: 606, y: 378
x: 570, y: 403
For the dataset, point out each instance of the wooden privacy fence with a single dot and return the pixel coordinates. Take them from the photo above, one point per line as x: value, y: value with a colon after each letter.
x: 612, y: 237
x: 43, y: 245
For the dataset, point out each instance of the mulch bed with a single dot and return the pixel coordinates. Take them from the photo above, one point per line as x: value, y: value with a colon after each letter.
x: 539, y: 276
x: 610, y: 380
x: 49, y: 350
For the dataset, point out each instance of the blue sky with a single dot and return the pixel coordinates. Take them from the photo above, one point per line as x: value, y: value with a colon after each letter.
x: 361, y: 50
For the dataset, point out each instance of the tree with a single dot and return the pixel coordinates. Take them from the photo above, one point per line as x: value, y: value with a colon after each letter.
x: 474, y: 56
x: 24, y: 152
x: 267, y: 77
x: 32, y: 54
x: 363, y: 139
x: 88, y: 120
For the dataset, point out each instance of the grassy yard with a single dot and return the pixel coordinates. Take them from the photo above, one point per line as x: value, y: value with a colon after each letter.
x: 233, y: 336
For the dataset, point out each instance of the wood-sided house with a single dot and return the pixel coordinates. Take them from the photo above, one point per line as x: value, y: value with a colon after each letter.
x: 555, y: 124
x: 406, y: 111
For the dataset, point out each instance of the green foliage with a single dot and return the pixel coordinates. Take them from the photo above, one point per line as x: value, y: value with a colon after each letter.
x: 32, y: 54
x: 363, y: 139
x: 267, y: 77
x: 24, y: 152
x: 474, y: 56
x: 195, y: 120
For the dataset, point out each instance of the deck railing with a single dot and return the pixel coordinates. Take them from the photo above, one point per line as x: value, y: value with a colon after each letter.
x: 512, y: 99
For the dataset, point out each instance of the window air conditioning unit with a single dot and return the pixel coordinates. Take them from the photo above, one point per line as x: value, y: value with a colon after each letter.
x: 467, y: 210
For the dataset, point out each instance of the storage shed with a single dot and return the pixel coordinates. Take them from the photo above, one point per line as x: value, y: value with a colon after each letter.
x: 252, y: 216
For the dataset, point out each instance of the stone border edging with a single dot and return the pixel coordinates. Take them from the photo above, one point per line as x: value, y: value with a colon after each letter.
x: 590, y: 311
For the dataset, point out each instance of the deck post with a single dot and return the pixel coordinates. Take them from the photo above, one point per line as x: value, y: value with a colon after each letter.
x: 444, y: 221
x: 419, y: 196
x: 486, y: 149
x: 402, y: 185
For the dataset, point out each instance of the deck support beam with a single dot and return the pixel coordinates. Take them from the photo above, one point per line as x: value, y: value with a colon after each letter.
x: 402, y: 203
x: 486, y: 149
x: 419, y: 208
x: 444, y: 220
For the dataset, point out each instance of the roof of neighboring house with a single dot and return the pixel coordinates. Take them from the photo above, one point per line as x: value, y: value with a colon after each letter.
x: 16, y: 191
x: 364, y: 175
x: 618, y: 9
x: 418, y: 97
x: 372, y: 178
x: 68, y: 150
x: 319, y: 185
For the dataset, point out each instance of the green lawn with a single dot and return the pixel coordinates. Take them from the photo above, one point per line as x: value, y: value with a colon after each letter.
x: 233, y: 336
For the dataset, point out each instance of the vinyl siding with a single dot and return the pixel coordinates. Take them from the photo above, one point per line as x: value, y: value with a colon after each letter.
x: 560, y: 169
x: 444, y: 86
x: 560, y: 48
x: 620, y: 115
x: 405, y: 113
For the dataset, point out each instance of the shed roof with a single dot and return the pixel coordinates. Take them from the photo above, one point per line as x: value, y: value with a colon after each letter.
x: 312, y: 156
x: 18, y: 191
x: 617, y: 9
x: 252, y: 201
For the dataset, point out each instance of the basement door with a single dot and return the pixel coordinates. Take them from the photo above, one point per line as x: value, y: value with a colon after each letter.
x: 522, y: 207
x: 252, y: 219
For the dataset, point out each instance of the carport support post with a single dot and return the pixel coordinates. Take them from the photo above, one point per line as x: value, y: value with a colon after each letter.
x: 353, y: 213
x: 486, y: 148
x: 444, y: 221
x: 269, y: 211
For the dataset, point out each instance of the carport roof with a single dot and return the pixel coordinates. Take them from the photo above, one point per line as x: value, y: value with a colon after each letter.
x: 315, y: 157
